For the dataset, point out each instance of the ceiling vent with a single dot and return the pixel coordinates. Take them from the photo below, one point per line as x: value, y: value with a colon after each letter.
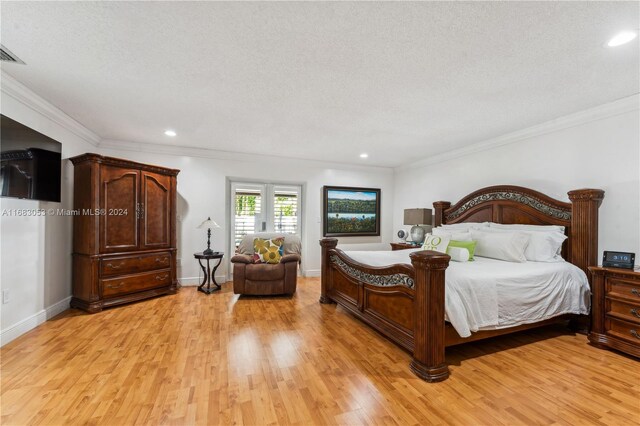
x: 7, y: 56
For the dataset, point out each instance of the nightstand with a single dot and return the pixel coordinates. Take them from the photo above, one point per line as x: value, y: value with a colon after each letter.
x: 615, y: 309
x: 403, y: 246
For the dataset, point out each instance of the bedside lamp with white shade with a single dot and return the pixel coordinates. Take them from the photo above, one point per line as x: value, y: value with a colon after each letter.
x: 417, y: 217
x: 208, y: 224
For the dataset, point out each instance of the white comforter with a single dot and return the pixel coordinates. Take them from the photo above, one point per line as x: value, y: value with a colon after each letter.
x: 488, y: 294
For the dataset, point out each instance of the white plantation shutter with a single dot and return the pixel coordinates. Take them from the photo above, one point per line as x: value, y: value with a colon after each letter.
x: 248, y: 205
x: 285, y: 211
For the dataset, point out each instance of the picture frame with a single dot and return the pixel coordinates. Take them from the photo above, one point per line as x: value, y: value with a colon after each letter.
x: 350, y: 211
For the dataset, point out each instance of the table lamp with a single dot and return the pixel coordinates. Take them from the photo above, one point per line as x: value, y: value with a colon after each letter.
x: 417, y: 217
x: 208, y: 224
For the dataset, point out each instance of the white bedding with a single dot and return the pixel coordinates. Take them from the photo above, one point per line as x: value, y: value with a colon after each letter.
x: 488, y: 294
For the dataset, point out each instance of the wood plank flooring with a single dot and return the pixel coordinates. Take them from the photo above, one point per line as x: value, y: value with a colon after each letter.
x: 220, y: 359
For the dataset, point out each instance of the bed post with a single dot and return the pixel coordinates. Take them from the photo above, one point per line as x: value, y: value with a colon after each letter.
x: 438, y: 216
x: 584, y: 227
x: 327, y: 244
x: 428, y: 313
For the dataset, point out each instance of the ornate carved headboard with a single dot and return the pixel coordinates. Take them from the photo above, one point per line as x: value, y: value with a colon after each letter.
x: 514, y: 204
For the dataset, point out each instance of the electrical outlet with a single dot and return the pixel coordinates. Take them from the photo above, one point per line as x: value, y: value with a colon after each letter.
x: 6, y: 296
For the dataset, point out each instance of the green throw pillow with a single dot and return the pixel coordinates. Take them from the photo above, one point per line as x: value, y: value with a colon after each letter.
x: 469, y: 245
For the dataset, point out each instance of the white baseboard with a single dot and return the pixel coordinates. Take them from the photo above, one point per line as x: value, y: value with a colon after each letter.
x: 196, y: 281
x: 312, y: 273
x: 31, y: 322
x: 58, y: 308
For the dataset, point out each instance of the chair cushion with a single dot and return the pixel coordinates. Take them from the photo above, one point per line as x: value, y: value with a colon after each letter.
x: 292, y: 244
x: 268, y: 251
x: 264, y: 272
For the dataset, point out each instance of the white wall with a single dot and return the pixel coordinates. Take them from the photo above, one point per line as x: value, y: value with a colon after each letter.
x: 202, y: 192
x: 602, y: 153
x: 35, y: 262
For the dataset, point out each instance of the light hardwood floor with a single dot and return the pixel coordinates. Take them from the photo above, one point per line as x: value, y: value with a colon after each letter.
x: 220, y: 359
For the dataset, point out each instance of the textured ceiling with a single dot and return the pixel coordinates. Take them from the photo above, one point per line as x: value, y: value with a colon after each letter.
x: 324, y: 81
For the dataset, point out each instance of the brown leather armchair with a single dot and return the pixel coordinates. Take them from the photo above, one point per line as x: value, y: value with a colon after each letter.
x: 262, y: 279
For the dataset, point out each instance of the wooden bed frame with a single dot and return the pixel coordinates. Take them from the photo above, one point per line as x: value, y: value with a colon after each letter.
x: 406, y: 302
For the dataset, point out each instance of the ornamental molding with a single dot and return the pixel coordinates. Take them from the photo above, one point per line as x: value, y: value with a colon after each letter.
x: 528, y: 200
x: 373, y: 279
x: 611, y: 109
x: 430, y: 265
x: 119, y: 162
x: 594, y: 194
x: 21, y: 93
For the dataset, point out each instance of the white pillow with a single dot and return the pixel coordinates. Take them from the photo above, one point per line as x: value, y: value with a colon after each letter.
x: 458, y: 254
x: 519, y: 227
x: 542, y: 247
x: 464, y: 226
x: 452, y: 234
x: 509, y: 246
x: 436, y: 243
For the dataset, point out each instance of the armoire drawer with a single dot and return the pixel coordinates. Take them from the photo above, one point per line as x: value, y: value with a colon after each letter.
x: 135, y: 263
x: 132, y: 283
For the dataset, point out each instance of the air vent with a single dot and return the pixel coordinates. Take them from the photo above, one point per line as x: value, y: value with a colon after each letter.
x: 7, y: 56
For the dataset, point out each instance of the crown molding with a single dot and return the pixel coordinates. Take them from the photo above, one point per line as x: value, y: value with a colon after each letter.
x: 611, y: 109
x: 13, y: 88
x: 185, y: 151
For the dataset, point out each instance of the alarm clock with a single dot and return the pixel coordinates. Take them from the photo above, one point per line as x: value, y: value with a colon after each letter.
x: 402, y: 234
x: 618, y: 259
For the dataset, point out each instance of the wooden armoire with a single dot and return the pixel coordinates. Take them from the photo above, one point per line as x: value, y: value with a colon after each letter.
x: 124, y: 231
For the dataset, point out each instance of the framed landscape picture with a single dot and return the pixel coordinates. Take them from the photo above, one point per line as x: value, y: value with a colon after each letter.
x: 351, y: 212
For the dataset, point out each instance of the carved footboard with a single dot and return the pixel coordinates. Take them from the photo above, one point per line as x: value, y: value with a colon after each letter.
x: 403, y: 302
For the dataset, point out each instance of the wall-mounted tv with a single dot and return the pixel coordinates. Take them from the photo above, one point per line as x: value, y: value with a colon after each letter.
x: 30, y: 163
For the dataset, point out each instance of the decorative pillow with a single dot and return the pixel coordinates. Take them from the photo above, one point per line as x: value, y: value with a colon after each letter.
x: 509, y: 246
x: 436, y: 243
x: 544, y: 246
x: 452, y: 234
x: 469, y: 246
x: 268, y: 251
x: 458, y: 254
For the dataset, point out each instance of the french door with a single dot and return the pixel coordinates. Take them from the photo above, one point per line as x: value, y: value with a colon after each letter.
x: 264, y: 207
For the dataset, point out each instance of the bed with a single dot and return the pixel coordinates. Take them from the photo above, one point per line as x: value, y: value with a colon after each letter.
x: 405, y: 302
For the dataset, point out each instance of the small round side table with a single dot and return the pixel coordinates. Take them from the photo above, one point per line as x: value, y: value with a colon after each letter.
x: 209, y: 274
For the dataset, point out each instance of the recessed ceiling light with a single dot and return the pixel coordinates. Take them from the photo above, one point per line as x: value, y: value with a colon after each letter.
x: 171, y: 133
x: 364, y: 155
x: 622, y: 38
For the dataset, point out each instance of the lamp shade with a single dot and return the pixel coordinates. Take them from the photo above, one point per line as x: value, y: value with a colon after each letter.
x: 417, y: 216
x: 208, y: 224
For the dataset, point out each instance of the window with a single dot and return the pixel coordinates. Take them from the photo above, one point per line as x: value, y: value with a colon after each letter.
x: 285, y: 212
x: 248, y: 205
x: 262, y: 207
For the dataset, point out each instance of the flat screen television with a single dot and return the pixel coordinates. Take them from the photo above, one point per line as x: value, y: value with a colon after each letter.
x: 31, y: 163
